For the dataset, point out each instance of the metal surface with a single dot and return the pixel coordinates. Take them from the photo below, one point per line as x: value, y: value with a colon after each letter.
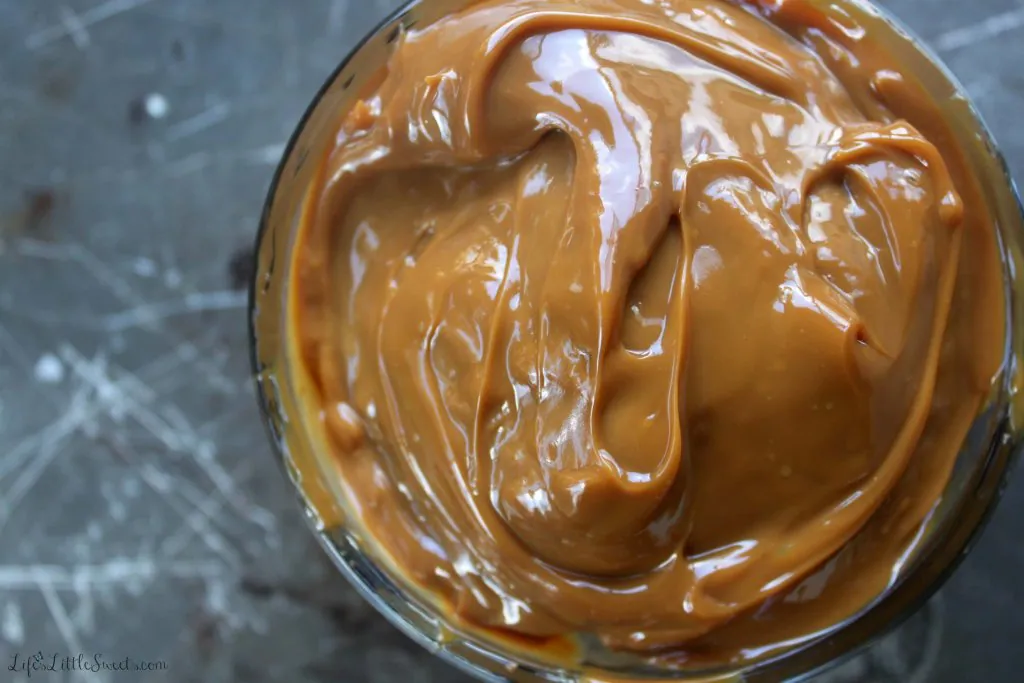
x: 141, y: 514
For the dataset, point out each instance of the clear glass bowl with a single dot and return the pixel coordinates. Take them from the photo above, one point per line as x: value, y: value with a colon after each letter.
x: 978, y: 478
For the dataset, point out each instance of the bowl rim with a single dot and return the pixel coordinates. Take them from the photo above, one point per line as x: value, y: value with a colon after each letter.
x: 894, y: 605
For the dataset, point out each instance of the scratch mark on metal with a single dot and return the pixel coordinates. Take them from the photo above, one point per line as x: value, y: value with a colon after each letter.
x: 88, y: 18
x: 225, y: 483
x: 117, y: 285
x: 33, y: 471
x: 74, y: 27
x: 115, y: 572
x: 130, y: 397
x: 67, y: 630
x: 49, y: 318
x: 292, y: 41
x: 336, y: 14
x: 988, y: 27
x: 198, y: 302
x: 268, y: 154
x: 12, y: 627
x: 17, y: 352
x: 46, y: 250
x: 207, y: 509
x: 203, y: 514
x: 124, y: 291
x: 201, y: 525
x: 127, y: 397
x: 84, y: 615
x: 83, y: 408
x: 119, y: 396
x: 238, y: 409
x: 193, y: 163
x: 936, y: 609
x: 208, y: 118
x: 44, y: 445
x: 981, y: 88
x: 215, y: 375
x: 97, y: 394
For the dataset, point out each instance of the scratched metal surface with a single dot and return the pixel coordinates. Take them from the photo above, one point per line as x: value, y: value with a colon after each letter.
x: 141, y: 513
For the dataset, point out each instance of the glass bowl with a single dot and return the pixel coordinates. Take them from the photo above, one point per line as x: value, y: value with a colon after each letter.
x: 977, y: 480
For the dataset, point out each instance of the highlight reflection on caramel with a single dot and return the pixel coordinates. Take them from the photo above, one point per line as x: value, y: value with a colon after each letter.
x: 650, y: 320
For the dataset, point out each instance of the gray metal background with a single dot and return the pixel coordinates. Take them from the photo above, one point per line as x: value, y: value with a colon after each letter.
x: 141, y: 513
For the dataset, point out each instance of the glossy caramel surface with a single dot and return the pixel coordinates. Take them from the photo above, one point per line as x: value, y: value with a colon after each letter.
x: 657, y: 321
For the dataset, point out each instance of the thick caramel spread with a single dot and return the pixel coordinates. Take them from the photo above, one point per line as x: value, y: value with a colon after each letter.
x: 659, y: 321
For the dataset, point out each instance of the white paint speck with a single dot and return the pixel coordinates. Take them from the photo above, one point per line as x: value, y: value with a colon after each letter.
x: 49, y: 369
x: 172, y: 278
x: 11, y: 624
x: 156, y: 106
x: 144, y: 267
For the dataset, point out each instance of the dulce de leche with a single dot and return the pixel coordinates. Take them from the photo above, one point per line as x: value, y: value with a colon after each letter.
x: 656, y: 322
